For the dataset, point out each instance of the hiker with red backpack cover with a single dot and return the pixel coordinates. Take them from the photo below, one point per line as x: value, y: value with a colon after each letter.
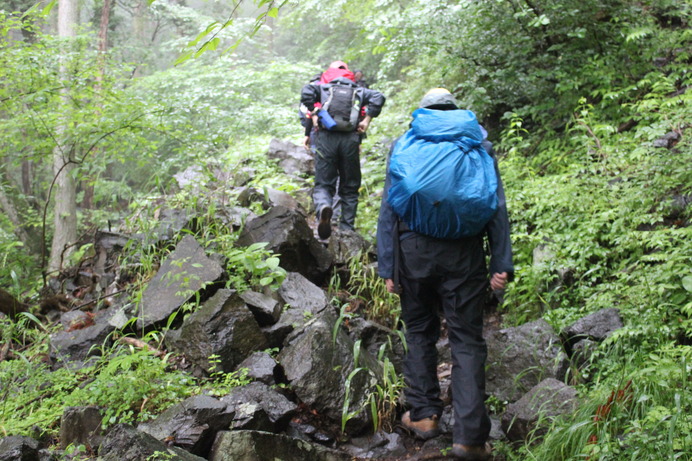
x: 341, y: 112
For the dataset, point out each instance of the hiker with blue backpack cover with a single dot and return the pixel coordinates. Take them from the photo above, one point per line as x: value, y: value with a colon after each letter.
x: 443, y: 195
x: 341, y: 113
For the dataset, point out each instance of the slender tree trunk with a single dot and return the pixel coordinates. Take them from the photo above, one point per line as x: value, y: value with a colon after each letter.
x: 88, y: 182
x: 65, y: 220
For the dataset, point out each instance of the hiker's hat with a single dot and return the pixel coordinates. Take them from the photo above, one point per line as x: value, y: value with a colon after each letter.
x: 438, y: 97
x: 338, y: 65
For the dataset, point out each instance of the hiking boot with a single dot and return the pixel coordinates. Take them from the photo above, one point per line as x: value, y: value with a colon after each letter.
x: 424, y: 429
x: 471, y: 452
x: 324, y: 227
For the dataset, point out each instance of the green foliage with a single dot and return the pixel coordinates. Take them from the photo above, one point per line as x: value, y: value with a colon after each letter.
x: 220, y: 383
x: 131, y: 385
x: 645, y: 415
x: 254, y: 266
x: 203, y: 109
x: 366, y: 287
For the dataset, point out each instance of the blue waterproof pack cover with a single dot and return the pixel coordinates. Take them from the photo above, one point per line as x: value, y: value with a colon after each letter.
x: 443, y: 182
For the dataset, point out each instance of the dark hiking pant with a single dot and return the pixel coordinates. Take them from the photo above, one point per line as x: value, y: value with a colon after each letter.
x: 337, y: 157
x: 451, y: 277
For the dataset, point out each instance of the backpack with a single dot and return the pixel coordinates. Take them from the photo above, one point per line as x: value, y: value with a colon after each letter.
x: 342, y: 101
x: 443, y: 182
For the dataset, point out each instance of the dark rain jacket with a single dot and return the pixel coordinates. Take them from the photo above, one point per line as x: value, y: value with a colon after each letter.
x: 372, y: 100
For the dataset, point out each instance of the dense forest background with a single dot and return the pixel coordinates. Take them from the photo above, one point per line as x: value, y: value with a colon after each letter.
x: 587, y: 102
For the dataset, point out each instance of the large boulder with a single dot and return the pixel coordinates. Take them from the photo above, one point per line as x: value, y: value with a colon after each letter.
x: 346, y: 245
x: 78, y: 346
x: 596, y: 327
x: 263, y: 446
x: 19, y: 448
x: 184, y: 273
x: 303, y: 300
x: 521, y: 357
x: 288, y: 235
x: 125, y: 443
x: 319, y: 364
x: 261, y: 367
x: 191, y: 425
x: 269, y: 198
x: 266, y: 309
x: 293, y: 159
x: 81, y: 426
x: 380, y: 445
x: 223, y: 326
x: 375, y: 338
x: 257, y: 406
x: 532, y: 414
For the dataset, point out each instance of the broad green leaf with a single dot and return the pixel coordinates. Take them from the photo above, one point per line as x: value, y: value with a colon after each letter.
x: 687, y: 283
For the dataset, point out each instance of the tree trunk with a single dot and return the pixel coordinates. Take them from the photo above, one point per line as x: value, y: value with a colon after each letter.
x: 65, y: 220
x: 88, y: 182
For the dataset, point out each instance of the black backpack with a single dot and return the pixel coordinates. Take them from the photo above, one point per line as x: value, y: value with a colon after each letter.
x: 342, y: 102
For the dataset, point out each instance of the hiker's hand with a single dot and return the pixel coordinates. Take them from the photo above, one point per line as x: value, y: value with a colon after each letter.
x: 315, y: 122
x: 498, y: 281
x: 363, y: 125
x: 306, y: 143
x: 390, y: 286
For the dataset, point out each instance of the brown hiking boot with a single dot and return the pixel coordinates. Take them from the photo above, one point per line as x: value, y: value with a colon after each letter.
x: 324, y: 227
x: 424, y: 429
x: 472, y: 452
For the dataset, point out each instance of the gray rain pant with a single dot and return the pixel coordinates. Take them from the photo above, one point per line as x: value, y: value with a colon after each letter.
x: 449, y: 276
x: 337, y: 156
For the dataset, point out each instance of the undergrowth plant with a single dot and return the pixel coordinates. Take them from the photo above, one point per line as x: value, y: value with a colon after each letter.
x: 366, y: 286
x: 642, y: 413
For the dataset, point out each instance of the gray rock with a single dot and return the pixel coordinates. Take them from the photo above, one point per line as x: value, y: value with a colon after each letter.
x: 374, y: 337
x: 71, y: 319
x: 380, y: 445
x: 264, y: 446
x: 597, y: 326
x: 288, y: 235
x: 192, y: 175
x: 301, y: 294
x: 521, y: 357
x: 303, y: 301
x: 582, y: 352
x: 76, y: 345
x: 293, y: 159
x: 248, y: 196
x: 235, y: 217
x: 261, y: 367
x: 668, y: 140
x: 533, y: 413
x: 345, y: 245
x: 318, y: 365
x: 222, y: 326
x: 192, y: 424
x: 125, y: 443
x: 266, y: 309
x: 19, y: 448
x: 170, y: 223
x: 257, y: 406
x: 81, y: 426
x: 281, y: 198
x: 185, y: 272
